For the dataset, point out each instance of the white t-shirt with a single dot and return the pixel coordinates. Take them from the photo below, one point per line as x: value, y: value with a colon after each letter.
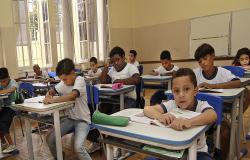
x: 128, y: 71
x: 44, y: 75
x: 80, y: 110
x: 221, y: 75
x: 201, y: 106
x: 97, y: 73
x: 136, y: 63
x: 162, y: 70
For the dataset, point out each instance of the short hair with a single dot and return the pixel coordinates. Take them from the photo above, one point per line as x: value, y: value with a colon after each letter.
x: 241, y: 52
x: 117, y: 51
x: 203, y: 50
x: 65, y: 66
x: 4, y: 73
x: 185, y: 72
x: 35, y: 65
x: 165, y: 55
x: 93, y: 59
x: 133, y: 52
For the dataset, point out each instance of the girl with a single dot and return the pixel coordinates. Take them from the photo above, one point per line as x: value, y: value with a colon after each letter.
x: 242, y: 58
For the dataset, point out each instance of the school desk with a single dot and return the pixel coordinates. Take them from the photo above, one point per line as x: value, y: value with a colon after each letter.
x: 33, y: 105
x: 152, y: 135
x: 111, y: 92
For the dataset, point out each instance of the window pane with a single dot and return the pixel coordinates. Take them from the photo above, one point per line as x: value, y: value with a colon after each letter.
x: 26, y: 55
x: 45, y: 10
x: 84, y: 50
x: 47, y: 53
x: 83, y: 31
x: 19, y: 56
x: 81, y: 12
x: 46, y: 33
x: 80, y: 1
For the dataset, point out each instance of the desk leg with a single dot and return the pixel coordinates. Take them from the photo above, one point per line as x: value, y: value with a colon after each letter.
x: 29, y: 139
x: 240, y: 120
x: 109, y: 152
x: 232, y: 132
x: 58, y: 135
x: 192, y: 151
x: 121, y: 101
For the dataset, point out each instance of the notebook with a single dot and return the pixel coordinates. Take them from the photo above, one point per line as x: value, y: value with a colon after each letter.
x: 211, y: 90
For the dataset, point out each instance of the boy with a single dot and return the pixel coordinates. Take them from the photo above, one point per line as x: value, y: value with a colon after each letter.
x: 121, y: 72
x: 38, y: 73
x: 72, y: 88
x: 132, y: 58
x: 166, y: 69
x: 94, y: 70
x: 7, y: 86
x: 184, y: 88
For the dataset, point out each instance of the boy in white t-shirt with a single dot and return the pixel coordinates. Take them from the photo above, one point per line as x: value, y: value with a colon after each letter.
x: 121, y: 72
x: 184, y: 88
x: 94, y: 70
x: 38, y: 73
x: 71, y: 88
x: 166, y: 69
x: 132, y: 58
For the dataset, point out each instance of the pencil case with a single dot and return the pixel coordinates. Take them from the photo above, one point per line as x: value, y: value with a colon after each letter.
x: 116, y: 86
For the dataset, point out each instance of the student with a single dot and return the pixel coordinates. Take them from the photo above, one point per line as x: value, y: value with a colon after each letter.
x: 121, y: 72
x: 39, y: 73
x: 166, y: 68
x: 72, y: 88
x: 242, y: 58
x: 132, y: 58
x: 7, y: 86
x: 94, y: 70
x: 184, y: 88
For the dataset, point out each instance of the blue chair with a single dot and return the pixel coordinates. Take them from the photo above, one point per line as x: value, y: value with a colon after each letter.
x: 92, y: 97
x: 236, y: 70
x: 217, y: 103
x: 52, y: 74
x: 27, y: 87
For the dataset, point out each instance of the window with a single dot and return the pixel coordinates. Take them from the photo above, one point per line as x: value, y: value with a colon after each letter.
x: 33, y: 30
x: 59, y: 30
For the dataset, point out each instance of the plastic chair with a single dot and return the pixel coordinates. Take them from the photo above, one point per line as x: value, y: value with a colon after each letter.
x: 140, y: 101
x: 236, y: 70
x: 52, y: 74
x: 140, y: 68
x: 27, y: 87
x: 217, y: 103
x: 92, y: 97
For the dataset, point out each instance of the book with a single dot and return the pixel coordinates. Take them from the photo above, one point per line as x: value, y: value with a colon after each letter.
x: 166, y: 152
x: 211, y: 90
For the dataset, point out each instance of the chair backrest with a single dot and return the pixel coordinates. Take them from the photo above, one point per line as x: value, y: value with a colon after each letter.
x: 140, y: 101
x: 52, y: 74
x: 27, y: 87
x: 92, y: 97
x: 236, y: 70
x: 140, y: 68
x: 215, y: 101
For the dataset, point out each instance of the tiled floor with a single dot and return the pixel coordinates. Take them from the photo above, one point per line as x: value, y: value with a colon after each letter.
x: 42, y: 153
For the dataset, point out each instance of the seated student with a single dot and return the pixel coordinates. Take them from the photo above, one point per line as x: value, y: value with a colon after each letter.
x: 39, y: 73
x: 166, y: 68
x: 242, y: 58
x: 184, y: 88
x: 7, y: 86
x: 94, y: 70
x: 72, y: 88
x: 121, y: 72
x: 132, y: 58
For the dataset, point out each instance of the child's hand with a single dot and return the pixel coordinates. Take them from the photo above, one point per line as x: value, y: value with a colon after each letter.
x: 48, y: 100
x: 154, y: 73
x: 180, y: 124
x: 205, y: 85
x: 166, y: 118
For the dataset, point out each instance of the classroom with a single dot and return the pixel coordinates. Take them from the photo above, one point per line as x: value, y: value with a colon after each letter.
x: 124, y: 80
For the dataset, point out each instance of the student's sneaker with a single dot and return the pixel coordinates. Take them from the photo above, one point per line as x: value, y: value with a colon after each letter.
x: 10, y: 149
x: 116, y: 152
x: 4, y: 145
x: 92, y: 147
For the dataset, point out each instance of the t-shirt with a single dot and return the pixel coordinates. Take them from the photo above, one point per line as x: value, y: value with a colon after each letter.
x: 44, y: 75
x: 136, y: 63
x: 7, y: 101
x: 80, y: 110
x: 162, y: 70
x: 200, y: 107
x: 97, y: 73
x: 128, y: 71
x: 221, y: 75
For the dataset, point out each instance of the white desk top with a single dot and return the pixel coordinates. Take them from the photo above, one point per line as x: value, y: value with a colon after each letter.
x: 2, y: 96
x: 245, y: 81
x: 155, y: 78
x: 227, y: 93
x: 110, y: 91
x: 41, y: 85
x: 31, y: 80
x: 33, y: 105
x: 151, y: 133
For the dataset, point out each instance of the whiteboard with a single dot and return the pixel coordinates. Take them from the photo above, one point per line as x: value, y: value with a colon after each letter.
x: 213, y: 30
x: 240, y: 36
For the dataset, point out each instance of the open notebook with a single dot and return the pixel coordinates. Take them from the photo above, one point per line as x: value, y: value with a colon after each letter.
x: 141, y: 118
x: 211, y: 90
x: 38, y: 99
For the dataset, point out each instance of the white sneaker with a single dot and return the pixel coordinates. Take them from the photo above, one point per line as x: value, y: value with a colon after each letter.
x: 116, y: 152
x: 10, y: 149
x: 92, y: 147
